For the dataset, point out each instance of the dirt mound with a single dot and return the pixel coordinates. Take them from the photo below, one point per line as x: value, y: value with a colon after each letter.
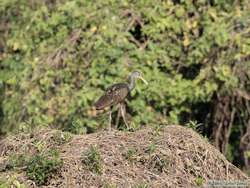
x: 173, y: 156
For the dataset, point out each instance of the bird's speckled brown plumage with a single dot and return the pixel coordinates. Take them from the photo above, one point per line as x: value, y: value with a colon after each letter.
x: 113, y: 95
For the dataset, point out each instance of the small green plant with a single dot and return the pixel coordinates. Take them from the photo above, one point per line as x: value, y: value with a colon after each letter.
x: 17, y: 184
x: 3, y: 183
x: 199, y: 181
x: 92, y: 160
x: 133, y: 127
x: 109, y: 185
x: 62, y: 137
x: 194, y: 125
x: 17, y: 160
x: 131, y: 154
x: 151, y: 148
x: 142, y: 185
x: 157, y: 129
x: 206, y: 138
x: 11, y: 182
x: 77, y: 127
x: 40, y: 145
x: 42, y: 166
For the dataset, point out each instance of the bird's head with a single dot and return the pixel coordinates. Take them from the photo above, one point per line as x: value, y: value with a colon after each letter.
x: 137, y: 74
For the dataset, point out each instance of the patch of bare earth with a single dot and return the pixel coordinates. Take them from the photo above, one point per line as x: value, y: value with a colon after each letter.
x: 173, y: 156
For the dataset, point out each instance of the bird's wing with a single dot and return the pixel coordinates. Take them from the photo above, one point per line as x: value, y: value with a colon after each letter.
x: 114, y: 94
x: 103, y: 102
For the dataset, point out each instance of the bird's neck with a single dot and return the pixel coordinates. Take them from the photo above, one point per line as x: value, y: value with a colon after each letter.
x: 131, y: 84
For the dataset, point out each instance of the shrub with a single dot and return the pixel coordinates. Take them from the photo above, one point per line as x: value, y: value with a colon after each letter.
x: 41, y: 167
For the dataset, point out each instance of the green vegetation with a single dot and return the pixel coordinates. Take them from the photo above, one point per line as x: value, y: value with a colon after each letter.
x: 11, y: 183
x: 108, y: 185
x: 157, y: 129
x: 41, y: 166
x: 40, y: 145
x: 58, y: 56
x: 199, y: 181
x: 142, y: 185
x: 38, y: 167
x: 151, y: 148
x: 62, y: 137
x: 194, y: 125
x: 17, y: 160
x: 131, y: 154
x: 92, y: 160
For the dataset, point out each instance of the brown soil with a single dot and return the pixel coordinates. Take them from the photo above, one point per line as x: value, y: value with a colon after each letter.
x: 173, y: 156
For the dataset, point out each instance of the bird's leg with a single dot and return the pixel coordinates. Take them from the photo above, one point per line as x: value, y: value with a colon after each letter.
x: 110, y: 119
x: 123, y: 112
x: 118, y: 116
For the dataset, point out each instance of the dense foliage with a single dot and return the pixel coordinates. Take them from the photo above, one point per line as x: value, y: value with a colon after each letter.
x: 58, y: 56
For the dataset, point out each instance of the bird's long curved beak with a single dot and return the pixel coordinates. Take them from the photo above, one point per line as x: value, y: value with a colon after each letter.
x: 143, y: 80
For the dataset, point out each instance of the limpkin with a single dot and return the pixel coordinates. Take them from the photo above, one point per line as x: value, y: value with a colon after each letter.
x: 116, y: 95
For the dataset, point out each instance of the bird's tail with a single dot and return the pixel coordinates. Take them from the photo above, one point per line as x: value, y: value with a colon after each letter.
x: 93, y: 112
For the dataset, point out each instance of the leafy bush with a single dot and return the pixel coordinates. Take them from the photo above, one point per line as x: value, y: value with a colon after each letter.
x: 59, y: 56
x: 38, y: 167
x: 42, y: 166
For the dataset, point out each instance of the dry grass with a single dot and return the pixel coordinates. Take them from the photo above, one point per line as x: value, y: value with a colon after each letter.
x: 171, y: 157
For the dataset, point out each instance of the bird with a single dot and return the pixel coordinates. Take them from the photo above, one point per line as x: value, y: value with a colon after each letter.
x: 116, y: 95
